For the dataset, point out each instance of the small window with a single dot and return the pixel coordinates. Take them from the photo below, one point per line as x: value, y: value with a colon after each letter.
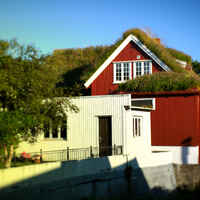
x: 137, y: 126
x: 138, y: 56
x: 147, y: 104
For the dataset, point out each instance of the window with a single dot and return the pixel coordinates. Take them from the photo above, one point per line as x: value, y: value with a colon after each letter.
x: 55, y: 131
x: 144, y: 104
x: 122, y: 72
x: 137, y: 126
x: 141, y: 68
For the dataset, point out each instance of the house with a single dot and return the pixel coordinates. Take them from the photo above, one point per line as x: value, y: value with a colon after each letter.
x: 175, y: 121
x: 102, y: 121
x: 106, y: 125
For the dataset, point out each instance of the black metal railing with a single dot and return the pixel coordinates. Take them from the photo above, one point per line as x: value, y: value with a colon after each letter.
x: 69, y: 154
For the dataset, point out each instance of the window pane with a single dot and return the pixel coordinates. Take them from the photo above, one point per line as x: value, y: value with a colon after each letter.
x: 146, y: 67
x: 143, y: 103
x: 138, y: 68
x: 46, y: 130
x: 64, y: 129
x: 55, y: 131
x: 137, y: 126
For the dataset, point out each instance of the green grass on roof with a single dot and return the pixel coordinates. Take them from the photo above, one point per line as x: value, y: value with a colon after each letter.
x: 167, y: 55
x: 93, y: 57
x: 161, y: 81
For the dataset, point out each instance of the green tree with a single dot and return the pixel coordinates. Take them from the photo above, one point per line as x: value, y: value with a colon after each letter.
x: 196, y: 66
x: 27, y: 91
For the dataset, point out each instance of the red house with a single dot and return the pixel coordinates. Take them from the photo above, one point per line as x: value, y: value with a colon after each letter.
x: 175, y: 123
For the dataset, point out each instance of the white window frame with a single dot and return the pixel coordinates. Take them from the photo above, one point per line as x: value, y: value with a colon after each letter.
x: 143, y: 99
x: 122, y: 71
x: 137, y: 132
x: 142, y: 67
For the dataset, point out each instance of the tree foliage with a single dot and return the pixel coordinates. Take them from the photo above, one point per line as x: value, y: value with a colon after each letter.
x: 27, y: 91
x: 196, y: 66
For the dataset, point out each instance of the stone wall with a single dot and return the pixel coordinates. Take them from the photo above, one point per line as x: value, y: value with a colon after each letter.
x: 187, y: 175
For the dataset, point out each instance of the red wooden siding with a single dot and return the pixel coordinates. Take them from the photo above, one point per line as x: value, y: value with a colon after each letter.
x: 175, y: 122
x: 104, y: 82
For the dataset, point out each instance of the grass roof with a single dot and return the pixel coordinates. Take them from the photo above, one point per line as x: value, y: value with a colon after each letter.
x: 161, y: 81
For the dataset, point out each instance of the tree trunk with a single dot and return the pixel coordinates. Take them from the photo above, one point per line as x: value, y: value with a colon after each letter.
x: 8, y: 155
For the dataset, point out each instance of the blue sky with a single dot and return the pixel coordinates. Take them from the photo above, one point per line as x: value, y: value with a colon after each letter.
x: 56, y: 24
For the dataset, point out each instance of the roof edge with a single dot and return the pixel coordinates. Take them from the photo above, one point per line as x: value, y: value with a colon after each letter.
x: 189, y: 92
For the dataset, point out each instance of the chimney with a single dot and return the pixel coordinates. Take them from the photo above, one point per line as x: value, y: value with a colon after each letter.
x: 157, y: 40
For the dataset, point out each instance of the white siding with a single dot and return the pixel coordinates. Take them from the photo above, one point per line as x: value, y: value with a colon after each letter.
x: 83, y: 126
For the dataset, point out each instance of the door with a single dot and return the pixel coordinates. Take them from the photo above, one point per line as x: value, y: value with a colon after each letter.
x: 105, y: 136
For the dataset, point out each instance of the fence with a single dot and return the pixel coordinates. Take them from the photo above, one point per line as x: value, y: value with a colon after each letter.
x: 70, y: 154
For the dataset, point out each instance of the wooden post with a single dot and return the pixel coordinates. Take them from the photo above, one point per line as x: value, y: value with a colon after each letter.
x: 67, y: 153
x: 91, y: 154
x: 115, y: 149
x: 40, y: 155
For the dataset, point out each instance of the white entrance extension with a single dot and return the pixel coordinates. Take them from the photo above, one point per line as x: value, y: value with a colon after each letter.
x: 106, y: 120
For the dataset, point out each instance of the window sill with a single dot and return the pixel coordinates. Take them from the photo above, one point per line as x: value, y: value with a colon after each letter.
x: 118, y: 82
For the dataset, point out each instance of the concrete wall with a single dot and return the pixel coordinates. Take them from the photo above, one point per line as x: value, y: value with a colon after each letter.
x: 181, y: 154
x: 44, y: 173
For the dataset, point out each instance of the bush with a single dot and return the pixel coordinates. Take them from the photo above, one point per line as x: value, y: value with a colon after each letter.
x: 162, y: 81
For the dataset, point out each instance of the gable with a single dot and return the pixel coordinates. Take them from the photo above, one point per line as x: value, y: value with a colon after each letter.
x: 139, y: 47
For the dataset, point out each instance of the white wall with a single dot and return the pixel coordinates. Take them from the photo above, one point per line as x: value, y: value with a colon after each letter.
x: 141, y: 144
x: 83, y: 127
x: 180, y: 154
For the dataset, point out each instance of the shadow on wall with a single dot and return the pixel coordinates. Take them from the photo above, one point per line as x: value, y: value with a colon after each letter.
x: 184, y: 150
x: 93, y: 178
